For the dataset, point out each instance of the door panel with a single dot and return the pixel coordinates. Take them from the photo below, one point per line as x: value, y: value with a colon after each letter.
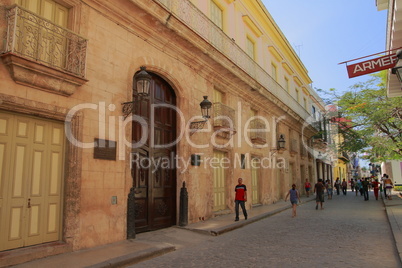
x: 291, y: 174
x: 140, y: 175
x: 279, y: 183
x: 254, y: 181
x: 31, y: 168
x: 219, y: 183
x: 155, y: 186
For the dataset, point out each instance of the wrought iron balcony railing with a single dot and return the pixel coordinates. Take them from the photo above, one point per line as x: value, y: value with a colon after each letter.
x: 35, y: 38
x: 343, y: 155
x: 259, y: 134
x: 223, y: 117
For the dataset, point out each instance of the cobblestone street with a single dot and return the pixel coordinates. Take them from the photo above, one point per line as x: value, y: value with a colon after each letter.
x: 348, y: 232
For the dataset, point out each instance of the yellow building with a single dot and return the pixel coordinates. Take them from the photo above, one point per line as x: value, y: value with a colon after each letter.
x: 342, y: 166
x: 86, y: 159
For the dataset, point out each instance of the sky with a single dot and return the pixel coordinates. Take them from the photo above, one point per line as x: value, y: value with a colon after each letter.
x: 326, y: 32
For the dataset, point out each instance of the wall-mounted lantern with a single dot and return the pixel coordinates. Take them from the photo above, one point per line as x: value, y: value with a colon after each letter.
x: 205, y: 112
x: 280, y: 144
x: 141, y: 86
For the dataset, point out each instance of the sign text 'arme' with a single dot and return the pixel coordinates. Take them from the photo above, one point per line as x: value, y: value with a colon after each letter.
x: 371, y: 66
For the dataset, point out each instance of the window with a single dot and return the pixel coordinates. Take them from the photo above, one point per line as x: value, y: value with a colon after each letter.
x: 250, y: 48
x: 216, y: 15
x: 49, y: 44
x: 287, y: 84
x: 48, y: 9
x: 218, y: 96
x: 274, y: 72
x: 313, y: 110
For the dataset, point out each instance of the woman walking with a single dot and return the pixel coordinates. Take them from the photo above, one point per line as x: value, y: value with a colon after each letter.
x: 294, y: 196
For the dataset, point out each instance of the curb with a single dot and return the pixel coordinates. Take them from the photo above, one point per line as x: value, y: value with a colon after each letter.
x: 136, y: 257
x: 395, y: 228
x: 234, y: 226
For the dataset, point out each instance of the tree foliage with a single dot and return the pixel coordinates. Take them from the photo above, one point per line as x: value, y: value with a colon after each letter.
x: 373, y: 122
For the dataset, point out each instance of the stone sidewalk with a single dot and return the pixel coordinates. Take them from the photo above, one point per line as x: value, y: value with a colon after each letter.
x: 152, y: 244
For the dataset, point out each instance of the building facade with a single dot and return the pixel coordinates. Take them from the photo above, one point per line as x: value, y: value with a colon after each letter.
x: 87, y: 160
x: 393, y: 41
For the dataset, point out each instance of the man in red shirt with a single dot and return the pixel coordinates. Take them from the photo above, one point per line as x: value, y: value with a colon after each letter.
x: 240, y: 198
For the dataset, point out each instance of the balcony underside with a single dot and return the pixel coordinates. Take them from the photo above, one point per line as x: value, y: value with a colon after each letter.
x: 27, y: 72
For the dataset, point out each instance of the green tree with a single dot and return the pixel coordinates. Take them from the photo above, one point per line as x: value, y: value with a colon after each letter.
x: 373, y: 124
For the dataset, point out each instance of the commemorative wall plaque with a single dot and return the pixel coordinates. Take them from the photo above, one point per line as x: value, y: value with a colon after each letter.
x: 105, y: 149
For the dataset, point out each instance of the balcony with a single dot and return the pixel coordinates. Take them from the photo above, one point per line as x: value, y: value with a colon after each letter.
x: 258, y: 135
x: 223, y: 120
x: 40, y: 54
x: 343, y: 156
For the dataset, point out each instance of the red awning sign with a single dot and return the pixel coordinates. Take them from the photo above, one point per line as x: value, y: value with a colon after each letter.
x: 371, y: 66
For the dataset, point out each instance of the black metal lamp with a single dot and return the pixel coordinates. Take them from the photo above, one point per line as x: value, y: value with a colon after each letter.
x: 205, y: 107
x: 141, y: 86
x: 205, y: 112
x: 142, y: 81
x: 281, y: 142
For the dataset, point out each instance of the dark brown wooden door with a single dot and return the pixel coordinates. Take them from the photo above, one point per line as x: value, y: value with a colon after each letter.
x: 154, y: 169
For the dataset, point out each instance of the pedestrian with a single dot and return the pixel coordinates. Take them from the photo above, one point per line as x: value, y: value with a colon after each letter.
x: 319, y: 191
x: 361, y: 186
x: 384, y: 176
x: 294, y: 196
x: 307, y: 187
x: 357, y: 186
x: 240, y: 198
x: 375, y: 184
x: 344, y: 186
x: 330, y: 188
x: 352, y: 184
x: 337, y: 185
x: 388, y: 186
x: 365, y: 186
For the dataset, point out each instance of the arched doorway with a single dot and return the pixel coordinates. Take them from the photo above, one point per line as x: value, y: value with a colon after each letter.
x: 154, y: 163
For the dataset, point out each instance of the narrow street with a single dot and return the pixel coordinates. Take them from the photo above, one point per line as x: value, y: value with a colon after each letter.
x: 348, y: 232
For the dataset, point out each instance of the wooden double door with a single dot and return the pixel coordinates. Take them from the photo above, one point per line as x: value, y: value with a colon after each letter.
x: 31, y: 180
x: 154, y: 163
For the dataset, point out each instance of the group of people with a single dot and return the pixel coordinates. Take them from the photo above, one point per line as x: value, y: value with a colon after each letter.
x: 359, y: 185
x: 319, y: 190
x: 363, y: 186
